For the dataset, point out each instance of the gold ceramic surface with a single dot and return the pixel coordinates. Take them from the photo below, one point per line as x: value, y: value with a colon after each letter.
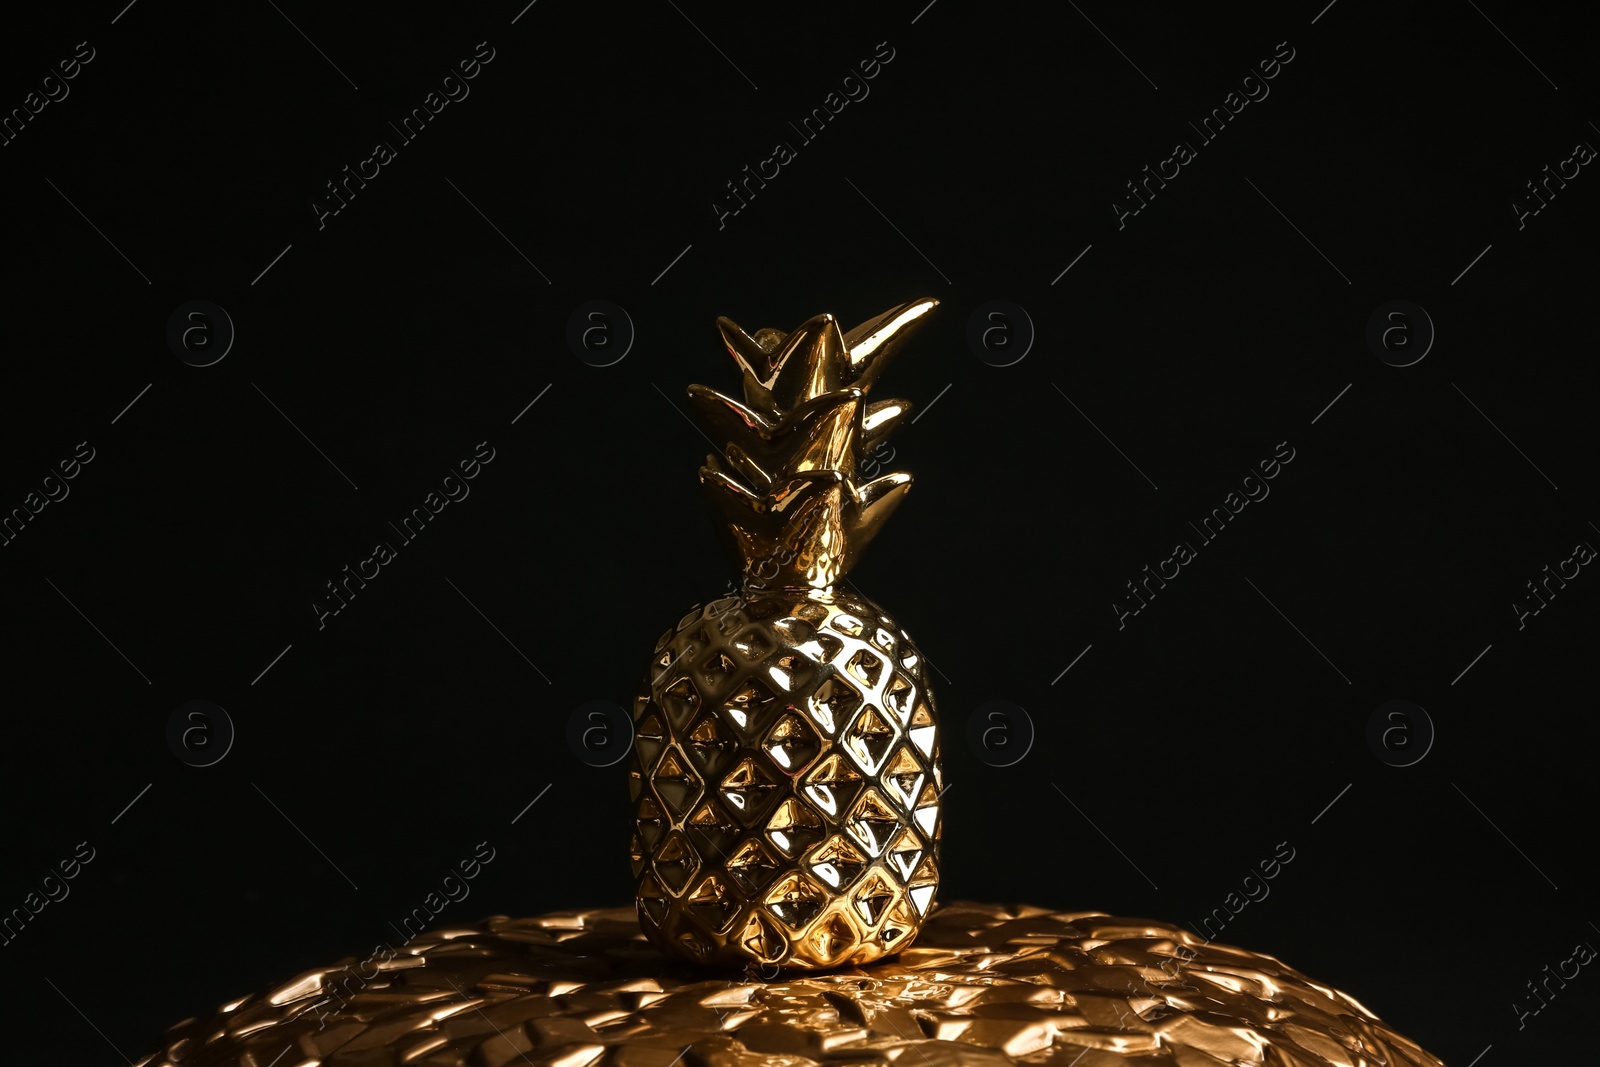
x: 784, y: 490
x: 785, y: 779
x: 786, y: 784
x: 984, y: 985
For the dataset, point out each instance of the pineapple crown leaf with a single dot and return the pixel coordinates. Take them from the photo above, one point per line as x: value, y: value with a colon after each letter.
x: 725, y: 415
x: 873, y: 343
x: 814, y: 436
x: 785, y: 492
x: 880, y: 421
x: 827, y: 358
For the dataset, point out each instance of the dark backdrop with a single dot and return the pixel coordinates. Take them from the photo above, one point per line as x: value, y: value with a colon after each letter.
x: 1225, y: 721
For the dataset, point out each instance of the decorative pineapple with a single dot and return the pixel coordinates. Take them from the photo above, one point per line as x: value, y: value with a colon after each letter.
x: 785, y: 772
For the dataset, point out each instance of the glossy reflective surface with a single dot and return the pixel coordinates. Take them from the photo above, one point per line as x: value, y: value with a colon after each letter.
x: 785, y: 779
x: 984, y: 985
x: 784, y: 489
x: 786, y: 784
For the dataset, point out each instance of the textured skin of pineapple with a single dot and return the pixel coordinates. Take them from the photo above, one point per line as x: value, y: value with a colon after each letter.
x: 785, y: 782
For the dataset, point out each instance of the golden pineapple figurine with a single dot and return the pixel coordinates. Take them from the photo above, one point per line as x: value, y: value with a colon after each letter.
x: 785, y: 772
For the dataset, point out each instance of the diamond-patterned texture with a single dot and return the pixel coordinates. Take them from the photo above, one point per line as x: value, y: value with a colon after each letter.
x: 785, y: 782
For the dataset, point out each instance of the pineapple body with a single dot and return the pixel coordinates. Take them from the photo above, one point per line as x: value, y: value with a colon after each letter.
x: 785, y: 781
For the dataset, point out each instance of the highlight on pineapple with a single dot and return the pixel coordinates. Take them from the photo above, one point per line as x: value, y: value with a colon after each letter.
x: 785, y: 774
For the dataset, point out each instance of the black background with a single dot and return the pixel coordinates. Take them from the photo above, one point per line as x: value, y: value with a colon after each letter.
x: 407, y: 330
